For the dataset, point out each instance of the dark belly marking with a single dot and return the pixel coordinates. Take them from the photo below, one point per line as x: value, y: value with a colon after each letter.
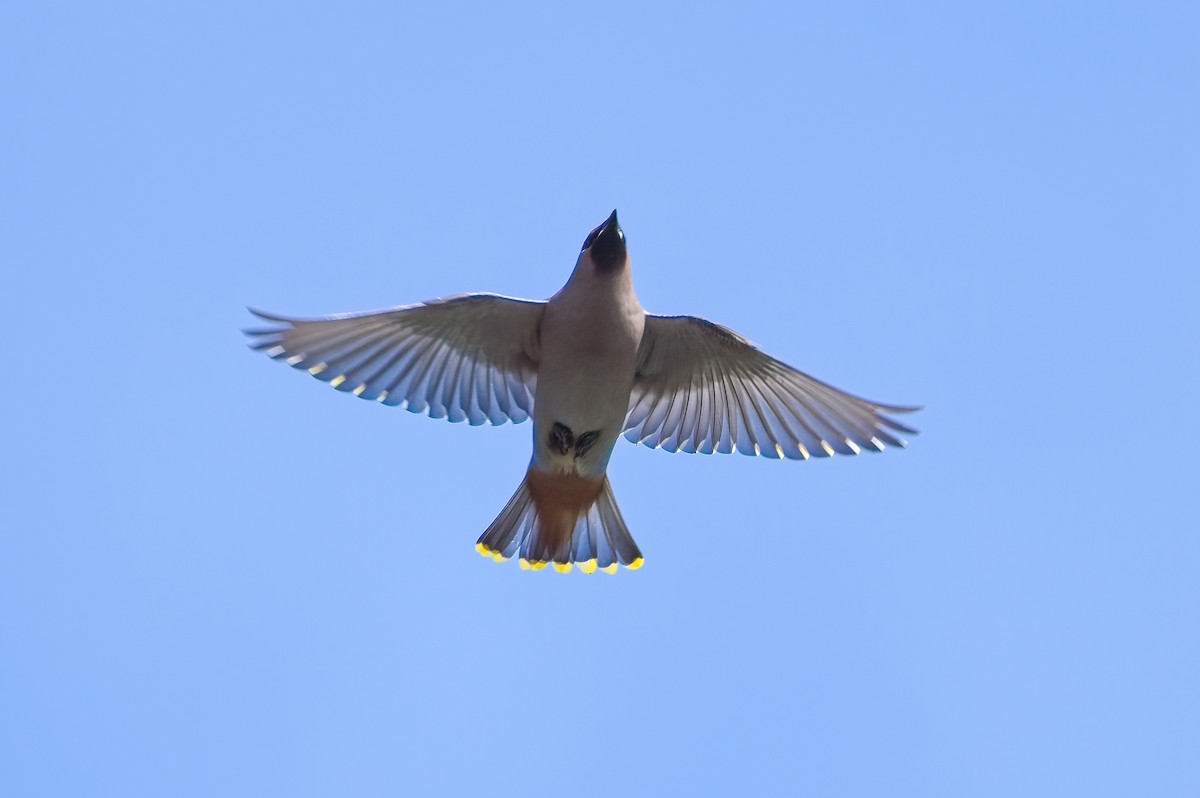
x: 584, y: 442
x: 562, y: 440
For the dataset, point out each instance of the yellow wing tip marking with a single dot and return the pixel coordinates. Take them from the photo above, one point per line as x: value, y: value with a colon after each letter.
x: 562, y: 567
x: 611, y: 568
x: 317, y: 369
x: 382, y: 395
x: 294, y: 359
x: 803, y: 451
x: 587, y: 566
x: 359, y: 390
x: 778, y: 451
x: 635, y: 564
x: 482, y: 549
x: 828, y: 449
x: 532, y: 565
x: 338, y: 380
x: 524, y: 563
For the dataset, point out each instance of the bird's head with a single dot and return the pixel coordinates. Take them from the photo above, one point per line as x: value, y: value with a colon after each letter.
x: 606, y: 246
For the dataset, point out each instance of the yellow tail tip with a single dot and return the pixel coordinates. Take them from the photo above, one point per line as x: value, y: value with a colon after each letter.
x: 486, y: 552
x: 586, y: 566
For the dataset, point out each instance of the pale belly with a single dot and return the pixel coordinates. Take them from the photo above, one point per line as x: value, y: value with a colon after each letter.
x: 579, y: 413
x: 589, y: 341
x: 582, y: 397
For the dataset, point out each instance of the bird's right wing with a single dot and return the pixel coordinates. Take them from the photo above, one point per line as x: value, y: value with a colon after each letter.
x: 701, y: 387
x: 470, y: 357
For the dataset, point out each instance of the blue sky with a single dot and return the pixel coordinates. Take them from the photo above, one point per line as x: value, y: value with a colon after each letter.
x: 218, y: 577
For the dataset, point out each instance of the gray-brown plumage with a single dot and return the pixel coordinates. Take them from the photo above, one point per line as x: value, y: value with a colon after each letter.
x: 588, y: 365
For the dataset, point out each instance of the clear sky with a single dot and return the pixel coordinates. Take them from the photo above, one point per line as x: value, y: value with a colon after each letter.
x: 219, y: 577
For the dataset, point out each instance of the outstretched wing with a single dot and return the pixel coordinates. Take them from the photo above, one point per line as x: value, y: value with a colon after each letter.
x: 471, y: 357
x: 701, y: 387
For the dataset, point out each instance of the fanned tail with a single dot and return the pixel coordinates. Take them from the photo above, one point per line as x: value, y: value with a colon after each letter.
x: 561, y: 520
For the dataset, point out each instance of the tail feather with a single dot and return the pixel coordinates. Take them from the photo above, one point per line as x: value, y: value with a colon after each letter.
x: 618, y: 537
x: 562, y: 520
x: 501, y: 540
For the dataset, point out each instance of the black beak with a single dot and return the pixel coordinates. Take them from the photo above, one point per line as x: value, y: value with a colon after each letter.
x: 608, y: 250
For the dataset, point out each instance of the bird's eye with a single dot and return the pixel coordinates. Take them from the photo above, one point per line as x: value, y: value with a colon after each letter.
x: 587, y: 242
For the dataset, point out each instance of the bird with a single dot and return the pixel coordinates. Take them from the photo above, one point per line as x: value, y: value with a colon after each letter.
x: 588, y: 365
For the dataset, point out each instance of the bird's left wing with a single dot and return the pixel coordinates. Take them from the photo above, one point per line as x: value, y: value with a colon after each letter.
x: 470, y: 357
x: 701, y: 387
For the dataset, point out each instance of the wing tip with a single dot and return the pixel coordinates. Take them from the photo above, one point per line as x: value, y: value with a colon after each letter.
x: 266, y: 316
